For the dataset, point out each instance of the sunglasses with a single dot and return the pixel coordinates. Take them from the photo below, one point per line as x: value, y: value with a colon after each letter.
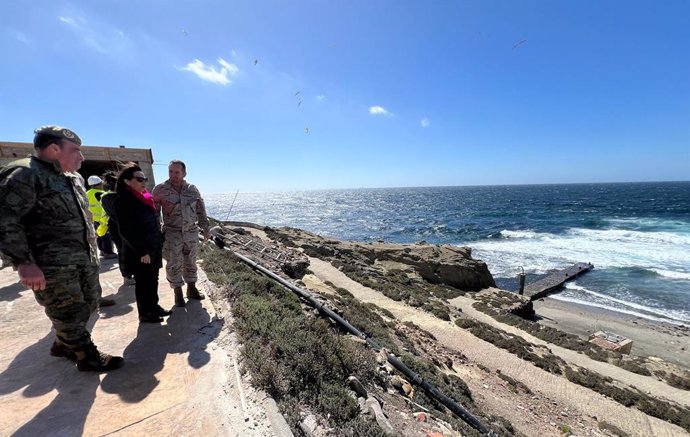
x: 140, y: 179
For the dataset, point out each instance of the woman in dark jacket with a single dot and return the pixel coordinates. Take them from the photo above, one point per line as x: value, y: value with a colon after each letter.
x: 142, y: 240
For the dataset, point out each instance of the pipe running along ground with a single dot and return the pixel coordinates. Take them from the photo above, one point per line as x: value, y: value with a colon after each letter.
x: 458, y: 410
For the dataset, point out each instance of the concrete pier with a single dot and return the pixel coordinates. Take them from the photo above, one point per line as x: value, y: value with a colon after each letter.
x: 553, y: 282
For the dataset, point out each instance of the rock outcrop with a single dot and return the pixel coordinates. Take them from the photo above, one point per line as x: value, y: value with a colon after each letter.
x: 440, y: 264
x: 437, y: 264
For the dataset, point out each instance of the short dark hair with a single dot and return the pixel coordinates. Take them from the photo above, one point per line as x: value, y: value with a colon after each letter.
x: 126, y: 173
x: 178, y: 162
x: 109, y: 180
x: 43, y: 141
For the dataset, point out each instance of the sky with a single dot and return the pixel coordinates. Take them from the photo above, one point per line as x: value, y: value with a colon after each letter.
x: 297, y: 95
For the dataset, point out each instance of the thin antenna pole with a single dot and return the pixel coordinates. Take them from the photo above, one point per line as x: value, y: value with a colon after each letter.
x: 233, y: 204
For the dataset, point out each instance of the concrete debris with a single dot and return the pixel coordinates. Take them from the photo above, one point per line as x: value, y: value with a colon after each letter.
x: 373, y: 407
x: 311, y: 428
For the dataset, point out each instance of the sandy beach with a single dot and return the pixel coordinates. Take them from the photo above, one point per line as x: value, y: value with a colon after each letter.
x: 650, y: 338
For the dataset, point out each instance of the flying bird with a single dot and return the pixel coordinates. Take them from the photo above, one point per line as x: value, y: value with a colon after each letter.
x: 256, y: 61
x: 519, y: 44
x: 306, y: 130
x: 297, y: 93
x: 184, y: 32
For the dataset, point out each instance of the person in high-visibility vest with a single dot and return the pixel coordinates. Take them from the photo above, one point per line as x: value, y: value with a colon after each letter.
x: 100, y: 219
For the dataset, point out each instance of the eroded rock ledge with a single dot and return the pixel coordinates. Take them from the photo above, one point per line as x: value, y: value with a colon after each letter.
x: 437, y: 264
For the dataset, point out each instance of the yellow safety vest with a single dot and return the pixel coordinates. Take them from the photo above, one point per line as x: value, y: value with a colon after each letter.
x: 95, y: 206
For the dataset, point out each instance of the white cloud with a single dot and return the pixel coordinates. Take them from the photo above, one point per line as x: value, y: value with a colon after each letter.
x: 425, y: 122
x: 100, y: 36
x: 68, y: 20
x: 379, y: 110
x: 232, y: 68
x: 18, y: 35
x: 210, y: 73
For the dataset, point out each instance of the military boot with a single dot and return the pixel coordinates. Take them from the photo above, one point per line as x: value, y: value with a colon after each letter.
x: 59, y: 349
x: 179, y: 299
x: 89, y: 358
x: 193, y: 292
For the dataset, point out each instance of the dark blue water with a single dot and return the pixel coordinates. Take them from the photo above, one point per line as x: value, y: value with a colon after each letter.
x: 637, y: 235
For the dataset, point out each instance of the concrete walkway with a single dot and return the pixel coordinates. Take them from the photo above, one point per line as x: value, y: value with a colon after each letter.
x: 177, y: 379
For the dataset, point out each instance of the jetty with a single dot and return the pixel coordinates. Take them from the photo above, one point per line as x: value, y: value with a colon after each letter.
x: 553, y: 282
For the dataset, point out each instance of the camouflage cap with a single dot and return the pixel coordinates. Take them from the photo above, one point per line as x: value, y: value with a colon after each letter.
x: 57, y: 132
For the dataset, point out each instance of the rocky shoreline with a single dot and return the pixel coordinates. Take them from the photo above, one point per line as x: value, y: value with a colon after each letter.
x: 405, y: 282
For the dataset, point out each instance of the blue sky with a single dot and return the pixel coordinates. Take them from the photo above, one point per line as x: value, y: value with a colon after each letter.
x: 291, y: 95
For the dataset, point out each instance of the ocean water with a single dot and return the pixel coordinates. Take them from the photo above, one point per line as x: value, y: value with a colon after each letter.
x: 637, y: 235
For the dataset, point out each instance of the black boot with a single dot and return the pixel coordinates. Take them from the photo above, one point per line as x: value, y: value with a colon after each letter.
x: 179, y: 299
x: 89, y: 358
x: 193, y: 292
x: 161, y: 312
x: 150, y: 318
x: 59, y: 349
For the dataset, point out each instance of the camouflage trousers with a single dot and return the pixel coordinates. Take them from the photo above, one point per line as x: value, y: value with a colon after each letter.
x: 179, y: 251
x: 70, y: 297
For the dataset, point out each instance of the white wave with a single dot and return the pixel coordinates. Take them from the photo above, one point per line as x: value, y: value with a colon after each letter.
x: 622, y: 235
x: 538, y: 252
x: 672, y: 274
x: 676, y: 321
x: 520, y: 234
x: 624, y: 306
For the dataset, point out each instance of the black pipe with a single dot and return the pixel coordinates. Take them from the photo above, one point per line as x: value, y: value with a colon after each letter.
x: 453, y: 406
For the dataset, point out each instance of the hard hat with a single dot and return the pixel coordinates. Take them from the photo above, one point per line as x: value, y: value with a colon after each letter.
x: 94, y: 180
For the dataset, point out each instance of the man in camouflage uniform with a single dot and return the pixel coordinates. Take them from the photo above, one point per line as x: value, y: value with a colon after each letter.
x: 184, y: 215
x: 47, y: 233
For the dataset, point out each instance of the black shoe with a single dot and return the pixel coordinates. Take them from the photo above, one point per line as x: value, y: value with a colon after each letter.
x: 150, y: 318
x: 160, y: 312
x: 60, y: 350
x: 103, y: 302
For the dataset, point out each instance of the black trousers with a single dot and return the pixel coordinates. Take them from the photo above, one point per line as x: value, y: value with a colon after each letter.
x: 115, y: 236
x: 146, y: 288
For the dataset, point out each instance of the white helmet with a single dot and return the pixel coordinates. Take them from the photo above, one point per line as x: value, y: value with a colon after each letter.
x: 94, y: 180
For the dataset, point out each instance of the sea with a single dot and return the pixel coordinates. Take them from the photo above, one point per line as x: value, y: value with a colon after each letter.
x: 637, y: 235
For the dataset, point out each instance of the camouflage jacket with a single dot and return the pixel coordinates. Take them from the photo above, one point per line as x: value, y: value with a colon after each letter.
x: 184, y: 211
x: 44, y: 215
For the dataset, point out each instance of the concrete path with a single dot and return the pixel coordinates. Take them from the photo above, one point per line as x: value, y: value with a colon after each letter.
x: 178, y: 379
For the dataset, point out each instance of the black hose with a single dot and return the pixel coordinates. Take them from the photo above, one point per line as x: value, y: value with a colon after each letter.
x: 453, y: 406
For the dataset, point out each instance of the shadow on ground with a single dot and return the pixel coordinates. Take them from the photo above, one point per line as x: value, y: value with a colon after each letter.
x: 188, y: 330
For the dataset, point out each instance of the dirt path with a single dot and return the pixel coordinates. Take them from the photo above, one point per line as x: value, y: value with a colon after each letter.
x: 646, y: 384
x: 568, y: 396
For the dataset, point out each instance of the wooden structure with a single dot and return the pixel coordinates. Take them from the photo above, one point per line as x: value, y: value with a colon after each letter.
x: 99, y: 159
x: 553, y: 282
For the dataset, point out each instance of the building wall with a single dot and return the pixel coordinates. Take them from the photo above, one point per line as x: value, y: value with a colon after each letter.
x: 10, y: 151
